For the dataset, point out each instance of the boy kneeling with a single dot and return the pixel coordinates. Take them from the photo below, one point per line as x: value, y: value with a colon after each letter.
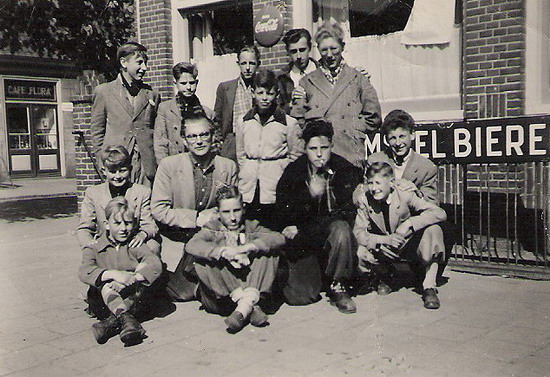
x: 118, y: 276
x: 398, y: 224
x: 235, y: 263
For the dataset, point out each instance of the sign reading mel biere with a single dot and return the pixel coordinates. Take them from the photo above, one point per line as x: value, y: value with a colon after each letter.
x: 482, y: 141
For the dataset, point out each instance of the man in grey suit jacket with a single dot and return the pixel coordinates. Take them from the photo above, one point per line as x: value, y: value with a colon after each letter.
x: 123, y: 113
x: 234, y: 99
x: 184, y: 193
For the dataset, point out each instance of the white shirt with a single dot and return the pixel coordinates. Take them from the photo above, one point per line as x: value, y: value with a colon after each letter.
x: 398, y: 170
x: 296, y: 75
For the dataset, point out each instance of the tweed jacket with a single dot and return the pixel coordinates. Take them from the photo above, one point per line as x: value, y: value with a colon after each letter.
x: 207, y: 243
x: 369, y: 223
x: 167, y: 135
x: 419, y: 170
x: 115, y: 122
x: 264, y: 151
x: 351, y: 105
x: 102, y: 255
x: 294, y: 203
x: 173, y: 198
x: 92, y: 212
x: 225, y: 99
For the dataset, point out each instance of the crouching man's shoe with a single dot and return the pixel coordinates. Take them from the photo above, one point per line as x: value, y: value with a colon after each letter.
x: 340, y: 298
x: 258, y: 318
x: 106, y: 329
x: 383, y: 288
x: 235, y: 322
x: 131, y: 330
x: 431, y: 301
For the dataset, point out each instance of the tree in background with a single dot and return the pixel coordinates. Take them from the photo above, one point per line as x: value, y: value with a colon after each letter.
x: 86, y: 32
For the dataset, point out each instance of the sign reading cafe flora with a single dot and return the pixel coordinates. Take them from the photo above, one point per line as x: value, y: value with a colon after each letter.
x: 495, y: 140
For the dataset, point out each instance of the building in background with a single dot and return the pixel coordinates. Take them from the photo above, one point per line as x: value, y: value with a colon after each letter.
x: 479, y: 66
x: 36, y: 120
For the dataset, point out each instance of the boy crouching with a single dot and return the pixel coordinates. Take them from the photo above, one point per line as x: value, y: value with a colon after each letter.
x: 235, y: 263
x: 398, y: 224
x: 118, y: 276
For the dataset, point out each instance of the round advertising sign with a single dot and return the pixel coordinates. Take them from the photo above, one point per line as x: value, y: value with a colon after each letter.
x: 268, y: 26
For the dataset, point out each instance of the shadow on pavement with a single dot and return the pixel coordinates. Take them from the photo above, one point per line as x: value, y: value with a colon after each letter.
x: 40, y: 208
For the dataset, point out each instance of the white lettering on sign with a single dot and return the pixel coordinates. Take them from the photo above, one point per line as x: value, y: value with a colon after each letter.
x: 462, y: 142
x: 512, y: 143
x: 533, y: 139
x: 269, y: 25
x: 34, y: 91
x: 373, y: 146
x: 435, y: 153
x: 419, y: 143
x: 492, y: 140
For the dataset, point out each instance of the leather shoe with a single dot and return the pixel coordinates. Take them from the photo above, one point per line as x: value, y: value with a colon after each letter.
x: 132, y: 332
x: 383, y: 289
x: 106, y: 329
x: 235, y: 322
x: 258, y: 318
x: 344, y: 303
x: 431, y: 301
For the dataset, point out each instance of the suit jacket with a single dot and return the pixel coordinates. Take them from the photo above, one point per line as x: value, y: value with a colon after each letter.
x: 115, y: 122
x: 351, y: 105
x: 102, y: 256
x: 225, y: 99
x: 369, y: 223
x: 207, y: 243
x: 419, y: 170
x: 92, y: 211
x: 295, y: 205
x: 173, y: 198
x: 167, y: 134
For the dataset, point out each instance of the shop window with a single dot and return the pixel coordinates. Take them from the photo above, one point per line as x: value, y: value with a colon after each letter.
x: 232, y: 28
x: 372, y: 17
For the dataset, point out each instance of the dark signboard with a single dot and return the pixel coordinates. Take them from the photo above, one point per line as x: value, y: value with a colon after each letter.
x: 268, y: 26
x: 31, y: 90
x: 481, y: 141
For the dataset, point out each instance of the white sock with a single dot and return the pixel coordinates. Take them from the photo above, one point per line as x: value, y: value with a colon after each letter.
x: 431, y: 275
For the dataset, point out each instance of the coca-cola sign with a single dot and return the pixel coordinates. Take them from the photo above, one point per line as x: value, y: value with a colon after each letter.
x: 268, y: 26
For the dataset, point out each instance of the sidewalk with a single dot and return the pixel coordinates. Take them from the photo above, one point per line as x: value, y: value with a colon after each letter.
x: 32, y: 188
x: 487, y: 326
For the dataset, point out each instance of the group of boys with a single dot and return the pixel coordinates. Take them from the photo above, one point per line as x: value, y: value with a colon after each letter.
x: 326, y: 226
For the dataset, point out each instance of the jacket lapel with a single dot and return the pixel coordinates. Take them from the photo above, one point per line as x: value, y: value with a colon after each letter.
x: 318, y: 80
x: 105, y: 196
x: 120, y: 94
x: 142, y: 99
x: 411, y: 168
x: 375, y: 213
x: 346, y: 76
x: 395, y: 206
x: 185, y: 182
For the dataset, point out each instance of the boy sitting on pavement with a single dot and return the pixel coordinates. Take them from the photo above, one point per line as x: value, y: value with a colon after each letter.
x: 117, y: 168
x: 235, y: 262
x: 397, y: 224
x: 119, y: 276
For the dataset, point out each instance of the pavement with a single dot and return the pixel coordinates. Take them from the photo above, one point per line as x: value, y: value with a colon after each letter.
x: 487, y: 325
x: 34, y: 188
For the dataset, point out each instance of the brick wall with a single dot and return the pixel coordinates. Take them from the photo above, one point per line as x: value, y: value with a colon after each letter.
x: 275, y: 57
x: 494, y: 80
x: 155, y: 33
x: 86, y: 175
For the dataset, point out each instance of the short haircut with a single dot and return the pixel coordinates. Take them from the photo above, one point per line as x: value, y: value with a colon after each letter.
x: 294, y: 35
x: 130, y: 49
x: 185, y: 67
x: 228, y: 192
x: 116, y: 206
x: 196, y: 117
x: 115, y: 157
x: 379, y: 167
x: 330, y: 30
x: 317, y: 127
x: 265, y: 78
x: 250, y: 48
x: 397, y: 119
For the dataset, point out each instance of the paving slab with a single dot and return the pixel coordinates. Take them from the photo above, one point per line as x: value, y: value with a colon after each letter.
x: 487, y: 326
